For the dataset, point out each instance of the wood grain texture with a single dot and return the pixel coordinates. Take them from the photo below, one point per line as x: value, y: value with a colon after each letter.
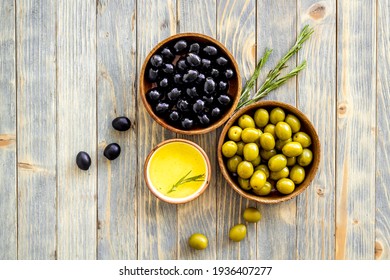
x: 317, y: 99
x: 157, y: 220
x: 356, y: 129
x: 199, y: 215
x: 116, y: 96
x: 382, y: 222
x: 8, y: 187
x: 36, y: 129
x: 76, y: 111
x: 236, y: 29
x: 276, y: 29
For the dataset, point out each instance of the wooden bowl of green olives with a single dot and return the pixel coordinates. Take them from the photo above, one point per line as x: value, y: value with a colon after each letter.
x: 269, y: 152
x: 190, y: 83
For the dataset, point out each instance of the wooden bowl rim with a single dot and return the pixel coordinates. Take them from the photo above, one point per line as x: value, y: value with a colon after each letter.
x: 197, y: 131
x: 315, y: 143
x: 182, y: 200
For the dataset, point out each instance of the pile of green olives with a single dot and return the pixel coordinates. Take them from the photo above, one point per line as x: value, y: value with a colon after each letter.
x: 267, y: 151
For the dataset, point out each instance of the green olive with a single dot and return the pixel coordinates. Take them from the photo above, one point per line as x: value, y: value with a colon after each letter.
x: 233, y: 162
x: 251, y: 151
x: 292, y: 149
x: 276, y: 175
x: 285, y: 186
x: 305, y: 158
x: 229, y: 148
x: 294, y: 122
x: 250, y: 135
x: 263, y: 168
x: 277, y: 115
x: 198, y: 241
x: 245, y: 169
x: 266, y: 155
x: 283, y: 130
x: 251, y: 215
x: 244, y: 183
x: 234, y: 133
x: 265, y: 190
x: 256, y: 161
x: 240, y: 148
x: 237, y: 233
x: 246, y: 121
x: 291, y: 161
x: 261, y: 117
x: 258, y: 179
x: 297, y: 174
x: 280, y: 143
x: 277, y: 162
x: 267, y: 141
x: 270, y: 128
x: 303, y: 138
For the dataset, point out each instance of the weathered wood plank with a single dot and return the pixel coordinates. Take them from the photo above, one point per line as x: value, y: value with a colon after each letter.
x: 157, y: 220
x: 8, y: 187
x: 199, y: 215
x: 317, y: 99
x: 382, y: 243
x: 76, y: 122
x: 36, y: 129
x: 276, y: 29
x: 236, y: 29
x: 116, y: 95
x: 356, y: 105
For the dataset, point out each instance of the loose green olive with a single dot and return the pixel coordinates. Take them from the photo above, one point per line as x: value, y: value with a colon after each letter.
x: 233, y: 162
x: 297, y: 174
x: 240, y: 148
x: 250, y: 135
x: 229, y: 148
x: 302, y: 138
x: 266, y: 155
x: 267, y: 141
x: 251, y: 151
x: 245, y: 169
x: 294, y: 122
x: 280, y: 143
x: 291, y: 161
x: 263, y: 168
x: 258, y: 179
x: 277, y: 115
x: 292, y: 149
x: 198, y: 241
x: 305, y: 158
x: 246, y: 121
x: 251, y: 215
x: 265, y: 190
x: 237, y: 233
x: 285, y: 186
x: 256, y: 161
x: 277, y: 162
x: 270, y: 128
x: 283, y: 130
x: 261, y: 117
x: 234, y: 133
x: 276, y: 175
x: 244, y: 184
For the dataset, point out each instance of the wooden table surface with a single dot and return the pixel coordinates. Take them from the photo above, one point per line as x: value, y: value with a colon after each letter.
x: 68, y: 68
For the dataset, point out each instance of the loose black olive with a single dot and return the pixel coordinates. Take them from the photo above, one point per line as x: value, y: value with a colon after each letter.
x: 194, y: 48
x: 152, y: 74
x: 193, y: 60
x: 187, y: 123
x: 209, y: 85
x: 167, y: 55
x: 156, y: 60
x: 174, y: 94
x: 210, y: 50
x: 190, y: 76
x: 121, y: 123
x: 112, y: 151
x: 83, y: 160
x: 198, y: 106
x: 180, y: 46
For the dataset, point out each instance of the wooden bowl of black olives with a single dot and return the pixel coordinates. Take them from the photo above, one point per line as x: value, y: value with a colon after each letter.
x: 190, y: 83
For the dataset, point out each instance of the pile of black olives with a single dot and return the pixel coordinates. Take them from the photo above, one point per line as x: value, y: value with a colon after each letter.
x: 190, y: 83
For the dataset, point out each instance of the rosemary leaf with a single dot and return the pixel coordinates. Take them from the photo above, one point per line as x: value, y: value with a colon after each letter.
x: 184, y: 179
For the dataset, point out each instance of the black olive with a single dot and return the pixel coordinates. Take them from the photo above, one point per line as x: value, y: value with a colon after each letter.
x: 209, y: 85
x: 193, y: 60
x: 154, y: 95
x: 229, y: 73
x: 121, y: 123
x: 164, y: 83
x: 208, y: 99
x: 201, y: 78
x: 198, y: 106
x: 224, y: 99
x: 156, y: 60
x: 112, y: 151
x: 187, y: 123
x: 223, y: 86
x: 167, y: 55
x: 221, y: 61
x: 215, y: 112
x: 161, y: 108
x: 214, y: 73
x: 180, y: 46
x: 168, y: 68
x: 205, y: 63
x: 181, y: 65
x: 152, y: 75
x: 174, y: 116
x: 183, y: 105
x: 192, y: 92
x: 190, y: 76
x: 178, y: 79
x: 194, y: 48
x: 210, y: 50
x: 174, y: 94
x: 204, y: 119
x: 83, y: 160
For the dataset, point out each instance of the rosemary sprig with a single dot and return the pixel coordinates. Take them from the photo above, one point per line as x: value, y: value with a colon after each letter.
x: 184, y: 179
x: 272, y: 80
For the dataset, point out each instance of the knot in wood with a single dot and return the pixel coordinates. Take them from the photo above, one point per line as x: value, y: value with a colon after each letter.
x: 317, y: 11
